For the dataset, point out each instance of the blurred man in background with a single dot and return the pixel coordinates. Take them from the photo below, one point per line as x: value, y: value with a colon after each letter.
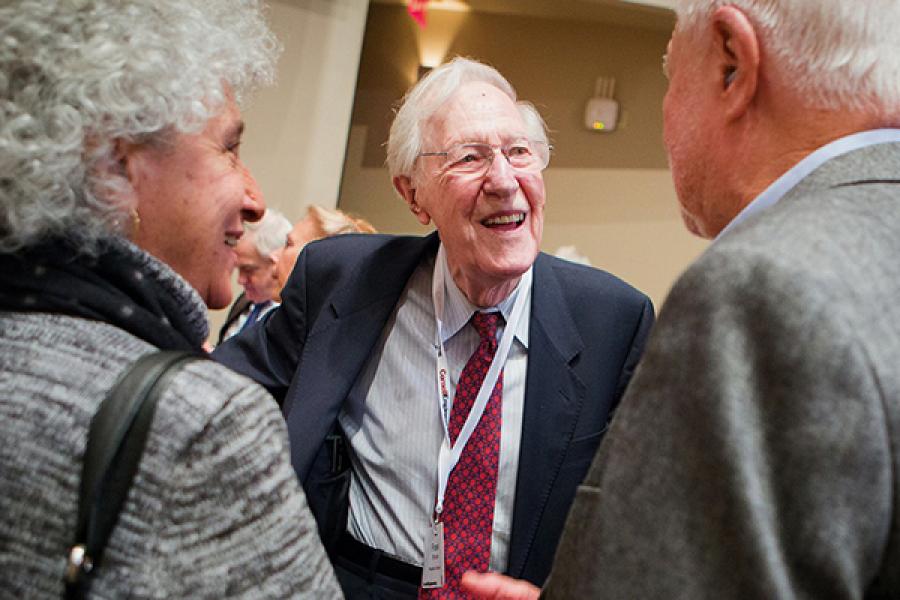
x: 258, y: 252
x: 318, y: 223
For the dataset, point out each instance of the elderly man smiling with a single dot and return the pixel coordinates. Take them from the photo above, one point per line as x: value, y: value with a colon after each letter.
x: 470, y: 376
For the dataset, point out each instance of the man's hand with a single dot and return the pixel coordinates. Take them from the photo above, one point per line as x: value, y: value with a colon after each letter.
x: 494, y: 586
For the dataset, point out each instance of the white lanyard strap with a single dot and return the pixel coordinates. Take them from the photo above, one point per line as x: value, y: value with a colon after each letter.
x: 449, y: 456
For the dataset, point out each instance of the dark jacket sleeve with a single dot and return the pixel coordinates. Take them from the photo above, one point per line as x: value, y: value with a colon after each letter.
x: 269, y: 351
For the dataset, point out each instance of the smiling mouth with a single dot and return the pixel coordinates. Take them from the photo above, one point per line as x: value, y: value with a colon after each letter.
x: 510, y: 221
x: 231, y: 239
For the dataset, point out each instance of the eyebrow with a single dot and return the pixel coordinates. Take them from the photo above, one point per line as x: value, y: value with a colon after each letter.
x: 475, y: 137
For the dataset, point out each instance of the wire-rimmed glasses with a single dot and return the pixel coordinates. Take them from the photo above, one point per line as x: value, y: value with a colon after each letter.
x: 471, y: 158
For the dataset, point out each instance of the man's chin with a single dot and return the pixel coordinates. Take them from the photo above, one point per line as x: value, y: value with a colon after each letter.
x: 510, y: 270
x: 692, y: 224
x: 516, y: 263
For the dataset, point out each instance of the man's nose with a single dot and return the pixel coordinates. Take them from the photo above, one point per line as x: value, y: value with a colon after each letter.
x: 500, y: 178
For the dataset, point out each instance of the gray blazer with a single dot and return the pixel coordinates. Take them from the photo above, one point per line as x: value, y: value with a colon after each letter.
x: 756, y: 453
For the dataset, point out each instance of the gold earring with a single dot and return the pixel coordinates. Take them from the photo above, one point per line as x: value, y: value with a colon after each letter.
x: 135, y: 223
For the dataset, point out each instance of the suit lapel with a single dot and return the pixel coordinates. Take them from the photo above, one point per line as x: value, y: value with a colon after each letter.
x: 553, y: 398
x: 237, y: 307
x: 342, y: 338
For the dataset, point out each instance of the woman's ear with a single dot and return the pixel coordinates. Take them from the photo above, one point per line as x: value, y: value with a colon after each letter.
x: 123, y: 164
x: 125, y: 160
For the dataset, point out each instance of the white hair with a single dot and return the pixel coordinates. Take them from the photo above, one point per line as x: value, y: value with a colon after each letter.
x: 78, y: 75
x: 839, y: 53
x: 269, y: 234
x: 425, y: 98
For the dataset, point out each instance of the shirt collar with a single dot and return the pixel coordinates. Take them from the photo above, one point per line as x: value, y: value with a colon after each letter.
x: 458, y: 310
x: 781, y: 186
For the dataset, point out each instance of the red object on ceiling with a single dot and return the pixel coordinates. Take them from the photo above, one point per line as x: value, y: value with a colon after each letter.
x: 416, y: 9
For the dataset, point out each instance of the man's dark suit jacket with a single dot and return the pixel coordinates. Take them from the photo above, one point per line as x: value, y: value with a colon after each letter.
x: 238, y: 307
x: 587, y: 332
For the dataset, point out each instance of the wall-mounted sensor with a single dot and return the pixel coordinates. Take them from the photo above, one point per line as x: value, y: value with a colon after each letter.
x: 601, y: 111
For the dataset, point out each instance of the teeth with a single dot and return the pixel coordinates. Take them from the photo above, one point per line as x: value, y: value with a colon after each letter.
x: 505, y: 219
x: 231, y: 240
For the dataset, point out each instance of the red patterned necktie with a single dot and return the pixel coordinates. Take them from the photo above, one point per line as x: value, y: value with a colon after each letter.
x: 468, y: 515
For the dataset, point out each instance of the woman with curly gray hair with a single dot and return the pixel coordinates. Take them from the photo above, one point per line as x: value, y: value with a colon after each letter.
x: 122, y: 194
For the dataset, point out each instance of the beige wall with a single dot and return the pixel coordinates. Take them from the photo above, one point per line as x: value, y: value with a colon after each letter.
x: 297, y: 129
x: 608, y: 194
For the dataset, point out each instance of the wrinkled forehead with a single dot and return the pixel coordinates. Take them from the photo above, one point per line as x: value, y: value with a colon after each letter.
x: 476, y: 112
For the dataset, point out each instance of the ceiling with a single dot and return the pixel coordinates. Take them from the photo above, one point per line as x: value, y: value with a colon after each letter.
x: 649, y: 14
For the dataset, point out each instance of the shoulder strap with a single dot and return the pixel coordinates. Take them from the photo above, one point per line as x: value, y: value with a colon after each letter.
x: 115, y: 444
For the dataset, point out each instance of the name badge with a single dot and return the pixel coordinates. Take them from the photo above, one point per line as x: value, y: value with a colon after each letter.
x: 433, y: 569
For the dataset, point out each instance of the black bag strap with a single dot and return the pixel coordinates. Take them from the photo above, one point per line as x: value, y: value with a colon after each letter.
x: 115, y: 444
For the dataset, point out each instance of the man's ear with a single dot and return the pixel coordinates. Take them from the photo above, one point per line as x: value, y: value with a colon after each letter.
x: 736, y: 48
x: 404, y: 187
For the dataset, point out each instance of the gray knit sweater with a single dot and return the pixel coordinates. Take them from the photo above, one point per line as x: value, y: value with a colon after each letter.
x: 215, y: 509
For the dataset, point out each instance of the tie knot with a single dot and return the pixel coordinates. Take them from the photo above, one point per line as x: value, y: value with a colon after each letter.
x: 486, y: 324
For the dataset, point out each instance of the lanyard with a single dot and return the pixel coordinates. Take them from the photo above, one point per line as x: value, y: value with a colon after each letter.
x: 449, y: 456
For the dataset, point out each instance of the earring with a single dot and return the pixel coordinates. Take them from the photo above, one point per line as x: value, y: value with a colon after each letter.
x: 135, y: 223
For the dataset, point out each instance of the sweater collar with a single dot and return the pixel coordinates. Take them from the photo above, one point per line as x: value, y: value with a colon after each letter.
x: 119, y: 284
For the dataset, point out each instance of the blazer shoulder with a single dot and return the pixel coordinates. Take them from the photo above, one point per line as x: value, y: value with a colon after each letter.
x: 348, y: 246
x: 587, y: 283
x: 353, y: 250
x: 358, y: 268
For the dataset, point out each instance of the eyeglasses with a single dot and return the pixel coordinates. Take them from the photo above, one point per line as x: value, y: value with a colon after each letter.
x: 476, y: 159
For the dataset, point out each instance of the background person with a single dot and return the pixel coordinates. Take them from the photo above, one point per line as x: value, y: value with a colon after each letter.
x: 318, y: 223
x: 755, y: 454
x: 121, y: 199
x: 353, y: 349
x: 258, y: 252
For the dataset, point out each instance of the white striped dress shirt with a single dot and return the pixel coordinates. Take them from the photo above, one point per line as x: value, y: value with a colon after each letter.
x: 393, y: 424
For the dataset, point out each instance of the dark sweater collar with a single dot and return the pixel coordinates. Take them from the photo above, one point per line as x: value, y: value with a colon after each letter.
x: 119, y: 284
